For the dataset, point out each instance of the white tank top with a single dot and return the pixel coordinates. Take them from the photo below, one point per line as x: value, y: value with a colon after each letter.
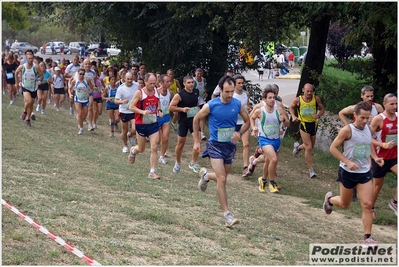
x: 165, y: 100
x: 244, y: 101
x: 29, y: 77
x: 270, y: 124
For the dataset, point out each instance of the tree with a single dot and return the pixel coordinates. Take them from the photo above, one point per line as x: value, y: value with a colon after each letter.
x: 336, y: 43
x: 16, y: 15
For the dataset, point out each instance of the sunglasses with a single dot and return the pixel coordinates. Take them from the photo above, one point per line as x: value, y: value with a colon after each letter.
x: 81, y: 74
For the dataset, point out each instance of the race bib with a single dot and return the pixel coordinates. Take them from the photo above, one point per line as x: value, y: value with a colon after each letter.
x: 82, y: 95
x: 307, y: 111
x: 271, y: 130
x: 225, y: 134
x: 361, y: 152
x: 9, y: 75
x: 192, y: 112
x: 112, y: 100
x: 165, y: 110
x: 127, y: 105
x: 149, y: 119
x: 29, y: 84
x: 390, y: 137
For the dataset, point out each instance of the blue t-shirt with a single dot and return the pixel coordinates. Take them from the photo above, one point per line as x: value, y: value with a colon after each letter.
x: 223, y: 119
x: 46, y: 76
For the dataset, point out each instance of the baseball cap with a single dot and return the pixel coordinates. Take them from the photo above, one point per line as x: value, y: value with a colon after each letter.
x: 199, y: 70
x: 57, y: 68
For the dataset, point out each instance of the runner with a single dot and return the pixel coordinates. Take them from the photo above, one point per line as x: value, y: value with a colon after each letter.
x: 123, y: 98
x: 385, y: 126
x: 109, y: 94
x: 10, y: 66
x: 146, y: 106
x: 29, y: 75
x: 354, y: 168
x: 310, y: 109
x: 69, y: 73
x: 59, y: 91
x: 200, y: 84
x: 222, y: 115
x: 97, y: 98
x: 165, y: 96
x: 185, y: 104
x: 268, y: 134
x: 82, y: 89
x: 43, y: 89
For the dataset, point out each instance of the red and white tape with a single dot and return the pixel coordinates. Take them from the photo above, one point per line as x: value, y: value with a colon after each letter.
x: 57, y: 239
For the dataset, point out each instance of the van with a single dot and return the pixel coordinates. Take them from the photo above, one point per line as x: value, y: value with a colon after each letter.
x: 74, y: 47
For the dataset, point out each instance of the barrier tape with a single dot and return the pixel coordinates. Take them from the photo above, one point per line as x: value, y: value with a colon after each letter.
x: 51, y: 235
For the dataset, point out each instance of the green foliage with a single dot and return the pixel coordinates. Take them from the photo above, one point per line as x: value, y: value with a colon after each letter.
x: 16, y: 15
x: 255, y: 92
x: 339, y: 88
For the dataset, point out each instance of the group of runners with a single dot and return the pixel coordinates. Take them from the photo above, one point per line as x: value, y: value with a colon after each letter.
x: 149, y: 105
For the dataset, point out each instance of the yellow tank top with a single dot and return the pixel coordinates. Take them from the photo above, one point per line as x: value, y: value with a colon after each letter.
x: 307, y: 109
x: 173, y: 87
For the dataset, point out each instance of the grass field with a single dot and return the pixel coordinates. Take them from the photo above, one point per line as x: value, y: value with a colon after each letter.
x: 83, y: 189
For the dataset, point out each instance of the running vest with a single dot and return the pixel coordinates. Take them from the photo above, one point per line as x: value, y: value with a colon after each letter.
x: 98, y: 87
x: 147, y: 103
x: 111, y: 93
x: 307, y: 109
x: 81, y: 90
x: 173, y: 87
x: 189, y: 100
x: 222, y: 119
x: 29, y: 77
x: 201, y: 88
x: 269, y: 125
x: 388, y: 132
x: 243, y: 98
x: 165, y: 100
x: 58, y: 81
x: 357, y: 149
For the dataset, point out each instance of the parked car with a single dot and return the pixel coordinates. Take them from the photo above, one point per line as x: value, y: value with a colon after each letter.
x: 113, y: 51
x: 20, y: 48
x: 99, y: 49
x: 56, y: 47
x: 74, y: 47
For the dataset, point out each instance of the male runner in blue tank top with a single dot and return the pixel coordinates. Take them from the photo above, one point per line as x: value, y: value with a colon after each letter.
x: 221, y: 146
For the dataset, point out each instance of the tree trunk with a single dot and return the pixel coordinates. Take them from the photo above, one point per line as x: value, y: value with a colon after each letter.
x: 314, y: 62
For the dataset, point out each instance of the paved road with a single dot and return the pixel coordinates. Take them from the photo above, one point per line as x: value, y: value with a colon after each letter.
x: 288, y: 84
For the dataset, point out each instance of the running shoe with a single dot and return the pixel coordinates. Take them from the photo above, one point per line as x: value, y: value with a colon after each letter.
x: 369, y: 242
x: 43, y: 112
x: 203, y: 184
x: 312, y: 174
x: 38, y: 108
x: 28, y: 123
x: 296, y: 149
x: 90, y: 127
x: 94, y: 126
x: 273, y: 187
x: 130, y: 138
x: 153, y: 175
x: 393, y: 206
x: 33, y: 116
x: 132, y: 158
x: 48, y: 101
x: 23, y: 116
x: 262, y: 185
x: 80, y: 131
x: 125, y: 149
x: 176, y: 168
x: 12, y: 102
x: 58, y: 109
x: 230, y: 220
x: 162, y: 160
x: 203, y: 137
x: 251, y: 166
x: 194, y: 166
x: 84, y: 121
x: 245, y: 171
x: 354, y: 195
x: 326, y: 205
x: 111, y: 134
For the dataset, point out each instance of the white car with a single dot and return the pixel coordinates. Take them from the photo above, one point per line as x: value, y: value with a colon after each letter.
x: 113, y: 51
x: 56, y: 48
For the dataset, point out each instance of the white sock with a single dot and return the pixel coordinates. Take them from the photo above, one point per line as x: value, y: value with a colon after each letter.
x: 152, y: 170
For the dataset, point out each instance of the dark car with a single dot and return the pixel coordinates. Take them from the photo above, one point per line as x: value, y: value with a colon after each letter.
x: 99, y: 49
x: 20, y: 47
